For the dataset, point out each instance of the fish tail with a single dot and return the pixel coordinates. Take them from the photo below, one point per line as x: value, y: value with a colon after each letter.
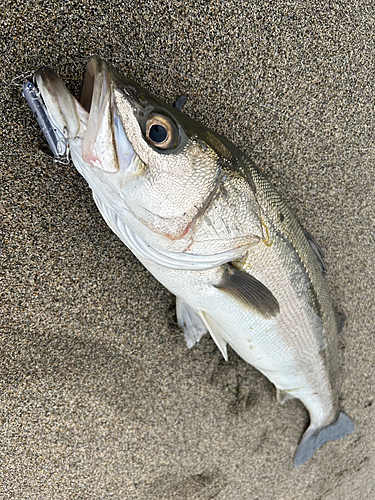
x: 314, y: 438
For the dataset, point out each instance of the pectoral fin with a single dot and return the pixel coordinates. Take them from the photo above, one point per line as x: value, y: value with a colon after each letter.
x: 249, y: 291
x: 190, y: 322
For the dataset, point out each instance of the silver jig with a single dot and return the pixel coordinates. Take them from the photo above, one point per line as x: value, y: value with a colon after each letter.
x: 56, y: 139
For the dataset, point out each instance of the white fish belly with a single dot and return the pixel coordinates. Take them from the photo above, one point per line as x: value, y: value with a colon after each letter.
x: 261, y: 342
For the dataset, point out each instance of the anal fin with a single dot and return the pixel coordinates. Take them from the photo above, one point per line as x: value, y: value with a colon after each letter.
x: 190, y: 322
x: 282, y: 396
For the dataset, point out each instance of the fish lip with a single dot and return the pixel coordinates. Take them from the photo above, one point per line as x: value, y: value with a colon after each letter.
x: 49, y: 83
x: 97, y: 98
x: 88, y: 82
x: 96, y: 70
x: 91, y: 125
x: 65, y: 112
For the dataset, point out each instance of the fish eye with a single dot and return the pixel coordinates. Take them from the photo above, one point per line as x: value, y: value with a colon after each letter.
x: 161, y: 132
x: 158, y: 133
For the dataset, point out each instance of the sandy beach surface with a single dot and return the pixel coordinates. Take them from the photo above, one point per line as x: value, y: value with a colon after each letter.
x: 99, y: 396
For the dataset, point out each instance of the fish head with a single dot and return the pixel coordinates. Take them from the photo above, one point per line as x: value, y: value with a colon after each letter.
x: 155, y: 167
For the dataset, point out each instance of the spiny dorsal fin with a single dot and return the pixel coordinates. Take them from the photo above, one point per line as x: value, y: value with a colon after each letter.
x: 316, y: 249
x: 249, y: 291
x: 180, y: 103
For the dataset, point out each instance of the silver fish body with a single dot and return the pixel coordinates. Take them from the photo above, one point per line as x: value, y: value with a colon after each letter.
x: 208, y: 225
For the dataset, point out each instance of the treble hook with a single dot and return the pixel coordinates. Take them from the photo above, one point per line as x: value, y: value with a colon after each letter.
x: 19, y: 80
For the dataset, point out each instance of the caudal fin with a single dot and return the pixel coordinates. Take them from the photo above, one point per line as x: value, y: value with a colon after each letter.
x: 315, y: 438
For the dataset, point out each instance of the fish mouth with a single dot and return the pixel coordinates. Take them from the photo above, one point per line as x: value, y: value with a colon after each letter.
x: 92, y: 127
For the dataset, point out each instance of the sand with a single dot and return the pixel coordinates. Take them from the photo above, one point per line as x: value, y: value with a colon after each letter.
x: 99, y: 396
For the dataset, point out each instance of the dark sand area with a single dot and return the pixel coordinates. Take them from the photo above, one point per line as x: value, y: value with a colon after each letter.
x: 99, y: 396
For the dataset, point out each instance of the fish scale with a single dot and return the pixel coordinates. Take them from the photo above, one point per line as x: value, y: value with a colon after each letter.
x: 292, y: 230
x: 211, y: 228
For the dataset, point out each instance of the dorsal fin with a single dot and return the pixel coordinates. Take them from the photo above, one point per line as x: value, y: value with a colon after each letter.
x: 316, y: 249
x: 180, y: 103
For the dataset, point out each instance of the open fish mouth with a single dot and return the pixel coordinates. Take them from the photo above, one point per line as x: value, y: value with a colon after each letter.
x: 92, y: 127
x: 153, y: 170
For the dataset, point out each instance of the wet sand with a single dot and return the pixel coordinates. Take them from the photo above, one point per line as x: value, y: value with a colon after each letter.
x: 99, y: 395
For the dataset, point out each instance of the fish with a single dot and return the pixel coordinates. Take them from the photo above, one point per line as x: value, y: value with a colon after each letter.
x: 206, y: 223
